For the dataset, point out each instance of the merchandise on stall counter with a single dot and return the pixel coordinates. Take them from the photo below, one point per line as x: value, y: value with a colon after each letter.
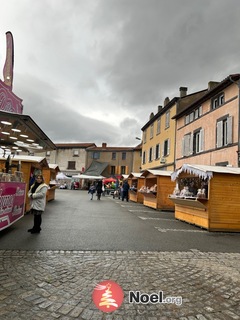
x: 191, y: 188
x: 11, y: 177
x: 145, y: 189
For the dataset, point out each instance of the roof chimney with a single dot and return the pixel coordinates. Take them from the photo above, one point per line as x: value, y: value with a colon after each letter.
x: 212, y: 84
x: 160, y: 108
x: 166, y: 101
x: 151, y: 115
x: 183, y: 91
x: 104, y: 145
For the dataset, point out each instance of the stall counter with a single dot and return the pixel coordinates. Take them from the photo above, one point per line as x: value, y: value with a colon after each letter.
x: 216, y: 207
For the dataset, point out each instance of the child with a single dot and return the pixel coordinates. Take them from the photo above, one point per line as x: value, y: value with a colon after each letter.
x: 91, y: 190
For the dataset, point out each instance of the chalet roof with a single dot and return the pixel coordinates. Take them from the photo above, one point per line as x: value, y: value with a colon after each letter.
x: 135, y: 175
x: 204, y: 171
x: 54, y: 167
x: 208, y: 94
x: 157, y: 173
x: 33, y: 159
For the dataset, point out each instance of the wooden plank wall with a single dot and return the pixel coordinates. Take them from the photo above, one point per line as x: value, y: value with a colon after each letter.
x: 165, y: 187
x: 224, y: 202
x: 192, y: 215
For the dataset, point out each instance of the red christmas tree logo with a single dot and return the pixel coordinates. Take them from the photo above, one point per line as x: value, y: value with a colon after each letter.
x: 107, y: 296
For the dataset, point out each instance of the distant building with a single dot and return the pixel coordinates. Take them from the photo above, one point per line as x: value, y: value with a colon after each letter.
x: 70, y: 157
x: 119, y: 159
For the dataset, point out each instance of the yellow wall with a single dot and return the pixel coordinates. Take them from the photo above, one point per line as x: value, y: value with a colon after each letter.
x: 165, y: 133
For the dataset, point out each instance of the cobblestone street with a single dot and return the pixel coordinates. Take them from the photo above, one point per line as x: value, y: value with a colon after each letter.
x: 59, y: 284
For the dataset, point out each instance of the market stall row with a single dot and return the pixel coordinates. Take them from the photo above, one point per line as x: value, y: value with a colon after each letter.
x: 152, y: 188
x: 16, y: 175
x: 206, y: 196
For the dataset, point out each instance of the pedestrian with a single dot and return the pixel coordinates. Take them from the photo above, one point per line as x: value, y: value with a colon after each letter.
x: 99, y: 189
x: 37, y: 195
x: 91, y: 191
x: 125, y: 190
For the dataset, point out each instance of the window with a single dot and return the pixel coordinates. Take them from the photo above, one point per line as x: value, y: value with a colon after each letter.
x: 96, y: 155
x: 224, y: 132
x: 144, y: 157
x: 167, y: 119
x: 75, y: 153
x: 114, y: 156
x: 195, y: 114
x: 48, y: 153
x: 166, y: 148
x: 123, y: 170
x: 113, y: 170
x: 151, y: 131
x: 124, y: 156
x: 217, y: 101
x: 150, y: 158
x: 158, y: 125
x: 157, y: 151
x: 144, y: 136
x: 193, y: 143
x: 71, y: 165
x: 197, y: 141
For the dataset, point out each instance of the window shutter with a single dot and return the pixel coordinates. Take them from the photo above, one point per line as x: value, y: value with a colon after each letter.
x: 229, y: 130
x: 201, y: 142
x: 183, y: 146
x: 219, y: 134
x: 186, y: 145
x: 190, y: 144
x: 163, y: 150
x: 144, y: 157
x: 168, y: 148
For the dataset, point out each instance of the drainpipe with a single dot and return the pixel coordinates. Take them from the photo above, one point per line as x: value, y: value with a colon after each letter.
x: 238, y: 151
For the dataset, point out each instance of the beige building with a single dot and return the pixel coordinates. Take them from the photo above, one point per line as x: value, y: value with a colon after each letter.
x: 70, y: 157
x: 118, y: 160
x: 208, y: 130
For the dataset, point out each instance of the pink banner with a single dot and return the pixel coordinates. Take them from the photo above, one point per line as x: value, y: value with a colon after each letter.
x: 12, y: 202
x: 9, y: 102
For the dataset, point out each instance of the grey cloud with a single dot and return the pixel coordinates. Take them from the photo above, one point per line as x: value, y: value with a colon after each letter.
x: 88, y: 62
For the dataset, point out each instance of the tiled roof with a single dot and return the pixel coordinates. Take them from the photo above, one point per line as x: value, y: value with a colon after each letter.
x: 109, y: 149
x: 74, y: 145
x: 233, y: 78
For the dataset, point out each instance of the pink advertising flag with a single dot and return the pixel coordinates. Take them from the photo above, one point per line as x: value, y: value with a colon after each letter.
x: 8, y: 67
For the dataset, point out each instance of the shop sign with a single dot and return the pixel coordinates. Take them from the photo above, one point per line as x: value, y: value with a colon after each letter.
x: 12, y: 202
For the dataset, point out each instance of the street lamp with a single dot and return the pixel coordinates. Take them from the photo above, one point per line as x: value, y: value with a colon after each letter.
x: 138, y: 138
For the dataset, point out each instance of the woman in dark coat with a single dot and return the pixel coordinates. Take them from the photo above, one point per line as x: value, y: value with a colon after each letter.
x: 99, y: 189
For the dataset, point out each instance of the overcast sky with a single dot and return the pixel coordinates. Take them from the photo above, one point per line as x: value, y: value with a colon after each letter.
x: 94, y: 70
